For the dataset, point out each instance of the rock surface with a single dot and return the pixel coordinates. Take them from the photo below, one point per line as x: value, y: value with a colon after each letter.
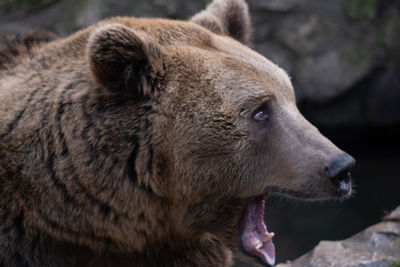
x: 378, y: 245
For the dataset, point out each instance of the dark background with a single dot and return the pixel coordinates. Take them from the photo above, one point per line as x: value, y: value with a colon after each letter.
x: 344, y: 60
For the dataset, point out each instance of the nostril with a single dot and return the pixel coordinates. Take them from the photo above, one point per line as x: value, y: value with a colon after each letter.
x: 340, y: 167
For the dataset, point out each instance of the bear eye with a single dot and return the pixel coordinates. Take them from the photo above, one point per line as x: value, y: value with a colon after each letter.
x: 260, y: 114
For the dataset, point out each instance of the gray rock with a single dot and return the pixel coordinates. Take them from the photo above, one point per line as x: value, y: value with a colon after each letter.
x: 277, y: 54
x: 330, y: 74
x: 305, y: 33
x: 378, y: 245
x: 275, y: 5
x: 7, y: 6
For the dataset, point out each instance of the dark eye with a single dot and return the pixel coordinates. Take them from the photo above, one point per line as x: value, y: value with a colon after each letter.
x: 260, y: 115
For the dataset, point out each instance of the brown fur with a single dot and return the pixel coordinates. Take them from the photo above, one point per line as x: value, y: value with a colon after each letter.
x: 13, y: 45
x: 131, y: 143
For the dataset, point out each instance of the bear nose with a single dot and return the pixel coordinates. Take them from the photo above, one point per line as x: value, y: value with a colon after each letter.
x: 339, y: 171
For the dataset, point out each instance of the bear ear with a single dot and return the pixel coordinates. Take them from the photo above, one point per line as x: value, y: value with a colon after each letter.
x: 229, y: 17
x: 125, y: 61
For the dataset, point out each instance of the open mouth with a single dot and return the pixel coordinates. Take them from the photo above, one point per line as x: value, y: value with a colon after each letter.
x: 254, y: 236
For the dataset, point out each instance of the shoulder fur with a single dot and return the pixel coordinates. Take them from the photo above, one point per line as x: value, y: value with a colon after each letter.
x: 13, y: 46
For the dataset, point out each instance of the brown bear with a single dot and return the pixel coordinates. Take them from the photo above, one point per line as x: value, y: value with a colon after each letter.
x: 152, y: 142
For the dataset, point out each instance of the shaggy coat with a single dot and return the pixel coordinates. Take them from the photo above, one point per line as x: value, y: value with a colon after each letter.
x: 140, y: 142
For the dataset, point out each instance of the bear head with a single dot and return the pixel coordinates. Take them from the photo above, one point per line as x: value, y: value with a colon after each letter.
x: 225, y: 129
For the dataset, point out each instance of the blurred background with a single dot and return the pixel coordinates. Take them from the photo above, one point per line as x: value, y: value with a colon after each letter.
x: 344, y: 60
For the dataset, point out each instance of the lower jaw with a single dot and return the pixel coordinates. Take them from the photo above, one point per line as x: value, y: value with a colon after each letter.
x: 254, y: 237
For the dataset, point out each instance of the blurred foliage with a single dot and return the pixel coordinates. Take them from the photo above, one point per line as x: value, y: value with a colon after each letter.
x: 361, y: 9
x: 71, y: 12
x: 356, y: 56
x: 15, y: 5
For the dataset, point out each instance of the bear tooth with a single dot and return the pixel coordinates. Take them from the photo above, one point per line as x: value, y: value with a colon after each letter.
x: 257, y: 244
x: 268, y: 238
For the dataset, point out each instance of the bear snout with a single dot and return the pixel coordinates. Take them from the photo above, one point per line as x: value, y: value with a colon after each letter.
x: 338, y: 172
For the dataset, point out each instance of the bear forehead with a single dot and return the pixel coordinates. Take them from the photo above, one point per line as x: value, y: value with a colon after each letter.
x: 169, y: 33
x: 239, y: 72
x: 235, y: 69
x: 247, y: 73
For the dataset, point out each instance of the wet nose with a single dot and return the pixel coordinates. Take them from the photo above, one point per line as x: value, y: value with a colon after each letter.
x: 339, y: 171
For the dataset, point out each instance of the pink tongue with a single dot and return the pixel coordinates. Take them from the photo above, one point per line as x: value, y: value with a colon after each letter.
x: 254, y: 231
